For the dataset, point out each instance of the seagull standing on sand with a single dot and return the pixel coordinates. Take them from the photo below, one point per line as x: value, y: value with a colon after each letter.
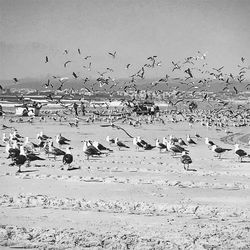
x: 240, y: 152
x: 120, y: 144
x: 20, y: 159
x: 61, y: 141
x: 197, y: 136
x: 160, y: 145
x: 209, y: 143
x: 145, y: 145
x: 175, y: 148
x: 54, y: 150
x: 13, y: 151
x: 90, y: 150
x: 68, y: 157
x: 110, y: 140
x: 190, y: 140
x: 185, y: 160
x: 181, y: 142
x: 43, y: 137
x: 219, y: 150
x: 137, y: 144
x: 33, y: 157
x: 100, y: 147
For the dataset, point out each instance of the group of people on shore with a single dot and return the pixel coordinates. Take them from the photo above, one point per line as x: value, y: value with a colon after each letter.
x: 82, y: 106
x: 36, y: 105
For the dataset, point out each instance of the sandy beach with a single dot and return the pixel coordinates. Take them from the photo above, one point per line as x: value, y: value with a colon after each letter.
x: 125, y: 124
x: 127, y: 199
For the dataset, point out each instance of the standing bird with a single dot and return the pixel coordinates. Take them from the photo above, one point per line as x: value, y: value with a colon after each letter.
x: 54, y: 151
x: 110, y: 140
x: 185, y: 160
x: 20, y: 159
x: 90, y: 150
x: 190, y: 140
x: 145, y: 145
x: 33, y: 157
x: 43, y: 137
x: 120, y: 144
x: 219, y: 150
x: 240, y: 152
x: 208, y: 142
x: 160, y: 145
x: 197, y: 136
x: 68, y: 158
x: 64, y: 138
x: 100, y: 147
x: 181, y: 142
x: 175, y: 148
x: 61, y: 140
x: 137, y: 144
x: 13, y: 151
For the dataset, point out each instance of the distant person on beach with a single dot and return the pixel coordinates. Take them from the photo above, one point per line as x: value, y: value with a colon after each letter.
x: 25, y: 110
x: 75, y: 106
x: 1, y: 110
x: 34, y: 104
x: 83, y: 108
x: 39, y: 105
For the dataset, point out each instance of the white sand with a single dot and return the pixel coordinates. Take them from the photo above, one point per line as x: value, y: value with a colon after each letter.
x: 128, y: 199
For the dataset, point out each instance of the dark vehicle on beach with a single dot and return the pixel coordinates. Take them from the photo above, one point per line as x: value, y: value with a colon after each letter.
x: 145, y: 108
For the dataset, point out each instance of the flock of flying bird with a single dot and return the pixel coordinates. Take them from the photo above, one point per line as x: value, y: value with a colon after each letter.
x: 22, y: 151
x: 190, y: 67
x: 193, y: 69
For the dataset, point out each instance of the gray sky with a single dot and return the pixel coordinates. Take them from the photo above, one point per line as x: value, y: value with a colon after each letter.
x: 32, y: 29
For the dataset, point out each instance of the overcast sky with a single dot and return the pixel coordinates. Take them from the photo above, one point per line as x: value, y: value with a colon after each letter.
x: 171, y: 29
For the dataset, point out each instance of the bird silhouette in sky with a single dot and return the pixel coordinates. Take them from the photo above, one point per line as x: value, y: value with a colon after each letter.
x: 113, y: 54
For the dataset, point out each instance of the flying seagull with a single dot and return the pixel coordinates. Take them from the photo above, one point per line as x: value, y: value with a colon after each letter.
x: 113, y: 54
x: 65, y: 64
